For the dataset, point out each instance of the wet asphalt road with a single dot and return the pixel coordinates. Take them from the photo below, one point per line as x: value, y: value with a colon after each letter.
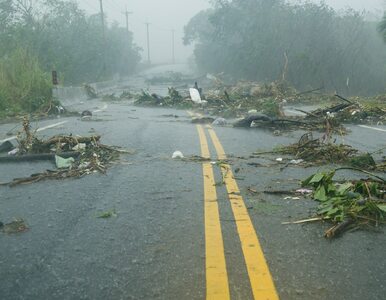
x: 154, y: 248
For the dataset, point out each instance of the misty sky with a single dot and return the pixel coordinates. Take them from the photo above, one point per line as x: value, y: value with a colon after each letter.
x: 167, y: 14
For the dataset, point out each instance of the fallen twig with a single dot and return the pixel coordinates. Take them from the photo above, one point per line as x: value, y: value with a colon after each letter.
x: 363, y: 171
x: 305, y: 221
x: 338, y: 228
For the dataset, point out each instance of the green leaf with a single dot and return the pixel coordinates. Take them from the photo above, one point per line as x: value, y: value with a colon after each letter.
x: 324, y: 210
x: 333, y: 211
x: 320, y: 194
x: 317, y: 178
x: 382, y: 207
x: 306, y: 182
x: 330, y: 188
x: 343, y: 188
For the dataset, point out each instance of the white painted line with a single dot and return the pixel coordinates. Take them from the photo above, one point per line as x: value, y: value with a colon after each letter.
x: 38, y: 130
x: 373, y: 128
x: 102, y: 109
x: 51, y: 126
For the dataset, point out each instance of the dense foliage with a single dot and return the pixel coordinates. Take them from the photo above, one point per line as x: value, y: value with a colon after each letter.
x: 309, y: 45
x: 38, y: 36
x: 63, y: 38
x: 24, y: 87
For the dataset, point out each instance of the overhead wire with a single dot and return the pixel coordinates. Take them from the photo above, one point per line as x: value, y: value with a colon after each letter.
x: 113, y: 8
x: 89, y: 5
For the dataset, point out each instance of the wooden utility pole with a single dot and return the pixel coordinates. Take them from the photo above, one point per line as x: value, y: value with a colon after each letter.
x: 148, y: 43
x: 127, y: 13
x: 173, y: 50
x: 103, y: 35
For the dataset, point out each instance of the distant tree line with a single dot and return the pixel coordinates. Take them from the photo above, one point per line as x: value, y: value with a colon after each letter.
x: 309, y: 45
x: 39, y: 36
x: 62, y: 37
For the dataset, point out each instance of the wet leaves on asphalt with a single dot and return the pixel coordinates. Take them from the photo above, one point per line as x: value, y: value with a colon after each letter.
x: 107, y: 214
x: 16, y: 226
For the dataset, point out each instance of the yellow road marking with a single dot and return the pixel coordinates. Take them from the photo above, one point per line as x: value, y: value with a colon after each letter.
x: 260, y: 277
x: 217, y: 286
x: 203, y: 142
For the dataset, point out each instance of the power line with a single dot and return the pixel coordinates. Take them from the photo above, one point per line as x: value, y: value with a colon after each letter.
x: 127, y: 13
x: 93, y: 5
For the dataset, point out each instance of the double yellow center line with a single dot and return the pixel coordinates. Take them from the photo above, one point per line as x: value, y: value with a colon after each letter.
x: 217, y: 285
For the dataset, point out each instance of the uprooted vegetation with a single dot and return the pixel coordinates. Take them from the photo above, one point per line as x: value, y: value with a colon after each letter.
x: 264, y: 106
x: 124, y: 96
x: 348, y: 204
x: 323, y: 150
x: 174, y: 99
x: 271, y: 99
x: 78, y: 156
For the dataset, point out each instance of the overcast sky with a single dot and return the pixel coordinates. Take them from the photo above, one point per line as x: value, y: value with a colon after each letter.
x: 167, y: 14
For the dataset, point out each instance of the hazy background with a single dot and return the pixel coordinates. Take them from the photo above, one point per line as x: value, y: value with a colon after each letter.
x: 164, y: 15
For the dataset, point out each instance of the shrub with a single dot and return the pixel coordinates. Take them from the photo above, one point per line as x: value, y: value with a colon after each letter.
x: 23, y: 85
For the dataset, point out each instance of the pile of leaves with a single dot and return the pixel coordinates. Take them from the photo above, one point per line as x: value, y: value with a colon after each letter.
x: 318, y: 151
x: 359, y: 114
x: 90, y: 156
x: 351, y: 112
x: 236, y: 100
x: 349, y: 204
x: 322, y: 150
x: 14, y: 227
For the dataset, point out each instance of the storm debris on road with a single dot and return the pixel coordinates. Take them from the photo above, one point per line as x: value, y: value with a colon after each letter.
x: 16, y: 226
x: 203, y: 120
x: 125, y: 95
x: 107, y: 214
x: 84, y: 155
x: 220, y: 122
x: 86, y: 115
x: 90, y: 91
x: 354, y: 112
x: 196, y: 158
x: 177, y: 155
x: 349, y: 204
x: 174, y: 99
x: 320, y: 151
x: 263, y: 105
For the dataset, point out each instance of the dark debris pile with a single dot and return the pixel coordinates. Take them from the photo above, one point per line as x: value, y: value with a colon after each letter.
x: 174, y: 99
x: 87, y: 155
x: 249, y: 101
x: 324, y: 151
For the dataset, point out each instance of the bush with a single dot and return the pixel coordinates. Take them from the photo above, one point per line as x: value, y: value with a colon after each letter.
x: 24, y: 87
